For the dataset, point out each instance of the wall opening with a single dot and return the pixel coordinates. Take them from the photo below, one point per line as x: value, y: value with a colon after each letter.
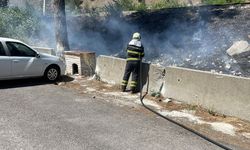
x: 75, y: 69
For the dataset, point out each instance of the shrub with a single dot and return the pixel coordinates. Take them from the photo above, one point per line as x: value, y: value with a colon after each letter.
x: 141, y: 7
x: 17, y: 23
x: 221, y: 2
x: 125, y: 4
x: 167, y: 4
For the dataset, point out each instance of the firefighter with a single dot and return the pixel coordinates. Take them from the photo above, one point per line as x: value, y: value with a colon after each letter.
x: 135, y: 52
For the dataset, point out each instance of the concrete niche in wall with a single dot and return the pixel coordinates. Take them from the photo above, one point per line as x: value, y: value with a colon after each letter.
x: 82, y: 63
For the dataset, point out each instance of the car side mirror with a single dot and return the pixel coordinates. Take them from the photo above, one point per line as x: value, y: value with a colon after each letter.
x: 37, y: 55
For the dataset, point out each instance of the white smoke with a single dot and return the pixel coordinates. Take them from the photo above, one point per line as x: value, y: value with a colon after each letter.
x: 189, y: 37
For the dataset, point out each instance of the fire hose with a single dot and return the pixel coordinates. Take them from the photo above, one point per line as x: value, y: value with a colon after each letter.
x: 171, y: 120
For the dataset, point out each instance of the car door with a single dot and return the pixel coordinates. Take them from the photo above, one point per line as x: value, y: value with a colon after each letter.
x: 24, y: 62
x: 5, y: 63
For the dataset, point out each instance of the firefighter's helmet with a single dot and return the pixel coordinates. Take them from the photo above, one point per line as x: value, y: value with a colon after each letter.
x: 136, y: 35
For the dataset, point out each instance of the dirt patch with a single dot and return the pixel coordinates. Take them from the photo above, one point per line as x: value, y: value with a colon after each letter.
x: 206, y: 115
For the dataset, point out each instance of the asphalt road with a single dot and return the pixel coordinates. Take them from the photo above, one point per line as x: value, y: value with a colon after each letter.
x: 36, y: 115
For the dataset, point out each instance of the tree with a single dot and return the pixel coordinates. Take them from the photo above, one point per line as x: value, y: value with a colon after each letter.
x: 4, y: 3
x: 62, y: 43
x: 74, y: 4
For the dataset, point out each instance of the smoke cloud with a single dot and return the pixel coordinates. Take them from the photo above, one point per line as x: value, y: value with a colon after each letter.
x: 188, y: 37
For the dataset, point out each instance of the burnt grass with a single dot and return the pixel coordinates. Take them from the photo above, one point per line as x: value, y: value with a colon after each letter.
x: 191, y: 37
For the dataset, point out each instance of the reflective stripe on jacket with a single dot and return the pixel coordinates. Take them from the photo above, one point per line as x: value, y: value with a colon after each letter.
x: 135, y: 50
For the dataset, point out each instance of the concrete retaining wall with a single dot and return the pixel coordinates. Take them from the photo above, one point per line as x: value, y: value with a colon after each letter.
x: 222, y: 93
x: 225, y: 94
x: 110, y: 69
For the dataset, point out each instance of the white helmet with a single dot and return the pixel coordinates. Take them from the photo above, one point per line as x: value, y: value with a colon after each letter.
x: 136, y: 35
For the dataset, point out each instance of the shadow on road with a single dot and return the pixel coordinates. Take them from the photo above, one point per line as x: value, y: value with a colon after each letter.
x: 30, y: 82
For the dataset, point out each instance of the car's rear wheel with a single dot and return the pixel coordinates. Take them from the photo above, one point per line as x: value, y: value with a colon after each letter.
x: 52, y: 73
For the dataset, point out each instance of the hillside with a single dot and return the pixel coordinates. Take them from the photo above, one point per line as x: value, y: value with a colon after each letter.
x: 100, y: 3
x: 192, y: 37
x: 148, y: 2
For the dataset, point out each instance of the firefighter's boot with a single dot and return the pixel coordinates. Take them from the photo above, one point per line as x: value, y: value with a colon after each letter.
x: 123, y: 88
x: 133, y: 90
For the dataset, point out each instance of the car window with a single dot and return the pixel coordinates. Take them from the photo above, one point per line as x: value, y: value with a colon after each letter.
x: 18, y: 49
x: 2, y: 52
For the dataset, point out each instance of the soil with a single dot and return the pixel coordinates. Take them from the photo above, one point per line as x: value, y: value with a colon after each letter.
x: 96, y: 89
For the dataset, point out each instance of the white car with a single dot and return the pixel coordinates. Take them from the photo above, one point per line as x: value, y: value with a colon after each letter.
x: 18, y: 60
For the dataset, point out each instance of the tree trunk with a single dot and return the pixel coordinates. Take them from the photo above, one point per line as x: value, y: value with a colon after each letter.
x: 62, y: 43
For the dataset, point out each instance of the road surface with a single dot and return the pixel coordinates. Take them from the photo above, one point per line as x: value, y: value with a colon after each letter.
x: 36, y: 115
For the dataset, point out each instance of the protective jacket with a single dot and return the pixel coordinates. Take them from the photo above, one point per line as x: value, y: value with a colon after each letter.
x: 135, y: 52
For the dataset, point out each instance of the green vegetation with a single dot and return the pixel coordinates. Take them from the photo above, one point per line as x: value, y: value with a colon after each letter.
x: 155, y: 94
x: 17, y: 23
x: 73, y: 4
x: 117, y: 6
x: 125, y: 4
x: 192, y: 107
x: 4, y: 3
x: 129, y: 5
x: 221, y: 2
x: 167, y: 4
x: 212, y: 112
x: 133, y: 5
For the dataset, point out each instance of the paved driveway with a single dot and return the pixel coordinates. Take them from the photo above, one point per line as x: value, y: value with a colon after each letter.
x: 36, y: 115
